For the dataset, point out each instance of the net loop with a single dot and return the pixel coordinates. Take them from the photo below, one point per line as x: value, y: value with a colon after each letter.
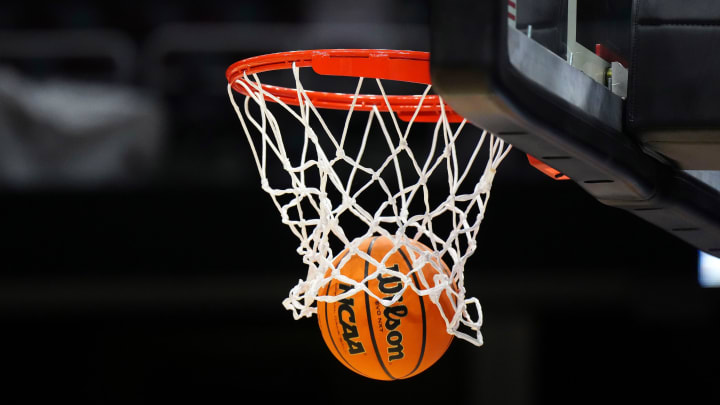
x: 375, y: 174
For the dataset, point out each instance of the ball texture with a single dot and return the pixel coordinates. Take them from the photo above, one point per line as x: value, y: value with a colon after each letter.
x: 378, y: 342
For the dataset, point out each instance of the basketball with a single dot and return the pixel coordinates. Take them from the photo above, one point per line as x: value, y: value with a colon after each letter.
x: 385, y: 343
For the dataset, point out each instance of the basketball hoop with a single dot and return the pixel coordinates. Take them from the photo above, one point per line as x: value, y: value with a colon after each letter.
x: 320, y: 178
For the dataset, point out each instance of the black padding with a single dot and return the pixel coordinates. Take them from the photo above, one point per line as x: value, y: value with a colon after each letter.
x: 659, y: 12
x: 673, y: 104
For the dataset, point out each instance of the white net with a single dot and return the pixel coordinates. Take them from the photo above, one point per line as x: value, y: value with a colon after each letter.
x: 370, y: 176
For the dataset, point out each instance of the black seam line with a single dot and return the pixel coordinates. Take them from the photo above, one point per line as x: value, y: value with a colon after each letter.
x: 424, y: 318
x: 677, y: 23
x: 327, y: 323
x: 681, y: 127
x: 369, y: 315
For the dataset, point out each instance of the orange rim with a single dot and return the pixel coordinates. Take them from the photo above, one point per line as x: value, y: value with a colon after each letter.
x: 545, y: 168
x: 407, y: 66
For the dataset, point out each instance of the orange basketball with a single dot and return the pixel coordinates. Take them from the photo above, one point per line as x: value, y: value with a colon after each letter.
x: 384, y: 343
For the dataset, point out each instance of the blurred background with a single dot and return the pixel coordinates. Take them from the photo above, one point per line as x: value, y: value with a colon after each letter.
x: 142, y: 263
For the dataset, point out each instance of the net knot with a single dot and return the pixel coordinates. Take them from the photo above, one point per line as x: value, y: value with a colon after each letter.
x: 326, y: 207
x: 486, y: 181
x: 427, y: 256
x: 265, y: 185
x: 324, y: 166
x: 348, y: 201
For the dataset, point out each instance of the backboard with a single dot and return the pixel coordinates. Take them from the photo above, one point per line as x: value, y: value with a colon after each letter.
x: 599, y: 92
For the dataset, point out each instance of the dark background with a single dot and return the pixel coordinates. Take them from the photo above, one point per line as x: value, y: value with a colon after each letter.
x: 154, y: 270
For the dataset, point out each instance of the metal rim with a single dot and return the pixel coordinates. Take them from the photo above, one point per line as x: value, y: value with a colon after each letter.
x: 407, y: 66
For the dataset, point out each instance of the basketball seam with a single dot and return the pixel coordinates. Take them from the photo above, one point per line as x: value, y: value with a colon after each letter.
x: 332, y: 340
x: 369, y: 316
x: 424, y: 317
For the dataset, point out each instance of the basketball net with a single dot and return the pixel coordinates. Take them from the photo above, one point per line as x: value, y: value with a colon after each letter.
x: 322, y: 187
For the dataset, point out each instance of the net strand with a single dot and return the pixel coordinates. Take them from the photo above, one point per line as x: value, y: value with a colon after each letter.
x: 308, y: 203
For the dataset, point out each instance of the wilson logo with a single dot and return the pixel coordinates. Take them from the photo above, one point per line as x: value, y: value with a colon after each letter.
x: 346, y: 315
x: 393, y: 315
